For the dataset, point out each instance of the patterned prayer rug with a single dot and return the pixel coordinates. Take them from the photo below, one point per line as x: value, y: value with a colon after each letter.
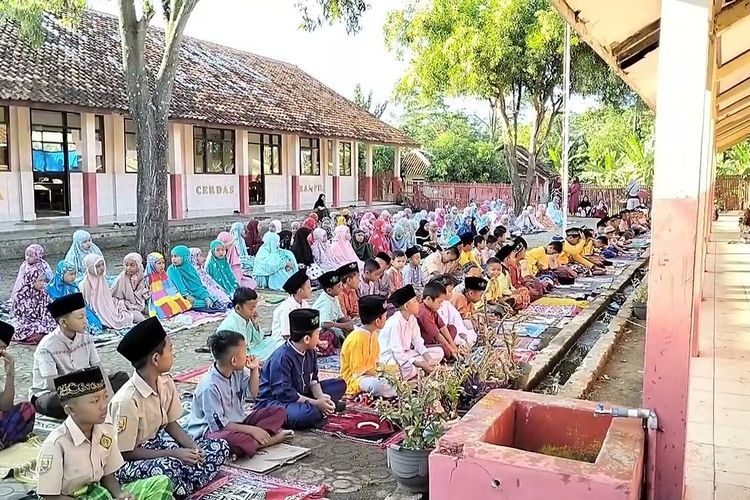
x: 330, y: 363
x: 552, y: 311
x: 20, y: 460
x: 526, y: 343
x: 524, y: 356
x: 238, y: 484
x: 533, y: 330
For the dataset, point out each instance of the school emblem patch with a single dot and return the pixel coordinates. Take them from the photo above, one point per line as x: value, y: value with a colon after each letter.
x: 122, y: 423
x: 106, y: 442
x: 45, y: 464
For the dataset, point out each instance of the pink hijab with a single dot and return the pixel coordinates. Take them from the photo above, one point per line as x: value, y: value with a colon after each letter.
x: 97, y: 295
x: 380, y: 241
x: 342, y: 251
x: 233, y: 255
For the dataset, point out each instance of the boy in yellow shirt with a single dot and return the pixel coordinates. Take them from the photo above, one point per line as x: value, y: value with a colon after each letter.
x: 361, y: 350
x: 467, y: 251
x: 537, y: 259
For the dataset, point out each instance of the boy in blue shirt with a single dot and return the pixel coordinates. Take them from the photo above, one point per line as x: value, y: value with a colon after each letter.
x: 289, y: 379
x: 217, y: 411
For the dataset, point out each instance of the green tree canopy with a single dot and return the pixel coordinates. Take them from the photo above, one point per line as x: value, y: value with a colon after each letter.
x: 507, y: 52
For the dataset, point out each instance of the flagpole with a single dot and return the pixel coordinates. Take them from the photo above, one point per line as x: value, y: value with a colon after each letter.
x: 566, y: 127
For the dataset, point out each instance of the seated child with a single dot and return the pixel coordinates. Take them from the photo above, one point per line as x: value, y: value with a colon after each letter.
x: 412, y: 273
x: 465, y: 334
x: 434, y: 330
x: 385, y: 265
x: 299, y: 290
x: 501, y: 233
x: 501, y: 286
x: 470, y: 270
x: 443, y: 262
x: 467, y: 251
x: 217, y: 411
x: 290, y: 378
x: 16, y: 420
x: 491, y: 247
x: 148, y: 404
x: 396, y: 272
x: 66, y: 350
x: 332, y: 317
x: 401, y: 344
x: 602, y: 246
x: 369, y: 283
x: 349, y: 274
x: 466, y: 300
x: 480, y: 249
x: 361, y: 351
x: 79, y: 458
x: 243, y: 319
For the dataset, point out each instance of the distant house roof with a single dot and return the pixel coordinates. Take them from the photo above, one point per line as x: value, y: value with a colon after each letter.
x: 414, y: 163
x: 542, y: 168
x: 214, y: 84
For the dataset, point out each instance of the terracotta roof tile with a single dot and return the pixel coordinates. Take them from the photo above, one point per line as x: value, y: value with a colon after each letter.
x: 214, y: 84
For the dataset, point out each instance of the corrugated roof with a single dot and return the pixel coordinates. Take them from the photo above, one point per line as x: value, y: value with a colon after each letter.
x: 214, y: 84
x: 625, y: 33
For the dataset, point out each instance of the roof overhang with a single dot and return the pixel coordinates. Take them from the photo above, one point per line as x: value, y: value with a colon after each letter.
x: 625, y: 33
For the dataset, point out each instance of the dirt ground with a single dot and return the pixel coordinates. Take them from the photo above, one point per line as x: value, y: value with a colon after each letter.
x: 621, y: 383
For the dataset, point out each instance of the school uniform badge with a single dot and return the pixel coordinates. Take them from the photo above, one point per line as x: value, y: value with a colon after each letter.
x: 45, y: 464
x: 122, y: 423
x: 106, y: 442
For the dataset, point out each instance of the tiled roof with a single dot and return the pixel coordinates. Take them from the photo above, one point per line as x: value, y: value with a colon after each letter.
x: 214, y: 84
x: 414, y: 163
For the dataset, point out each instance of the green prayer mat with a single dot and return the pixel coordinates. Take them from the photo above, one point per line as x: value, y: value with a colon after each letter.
x: 152, y: 488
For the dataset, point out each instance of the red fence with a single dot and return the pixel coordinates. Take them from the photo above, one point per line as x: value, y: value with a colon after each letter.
x: 382, y: 188
x: 431, y: 195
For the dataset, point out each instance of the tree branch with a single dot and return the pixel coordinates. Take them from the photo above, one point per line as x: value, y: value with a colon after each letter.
x: 173, y: 35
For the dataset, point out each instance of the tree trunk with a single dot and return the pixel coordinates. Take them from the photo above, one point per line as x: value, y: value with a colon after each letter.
x: 152, y: 234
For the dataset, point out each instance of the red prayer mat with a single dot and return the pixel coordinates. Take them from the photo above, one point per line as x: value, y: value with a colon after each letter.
x: 191, y: 376
x: 243, y: 484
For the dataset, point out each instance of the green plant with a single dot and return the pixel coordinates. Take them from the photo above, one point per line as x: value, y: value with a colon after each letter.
x: 416, y: 409
x: 641, y: 293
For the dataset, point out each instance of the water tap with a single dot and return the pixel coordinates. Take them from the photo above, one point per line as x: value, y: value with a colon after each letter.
x: 642, y: 413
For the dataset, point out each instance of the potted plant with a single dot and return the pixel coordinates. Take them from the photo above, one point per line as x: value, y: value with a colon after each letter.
x: 417, y: 410
x: 640, y: 300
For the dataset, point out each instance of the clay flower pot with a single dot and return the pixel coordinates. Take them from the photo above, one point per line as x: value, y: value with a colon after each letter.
x: 409, y: 467
x: 639, y: 309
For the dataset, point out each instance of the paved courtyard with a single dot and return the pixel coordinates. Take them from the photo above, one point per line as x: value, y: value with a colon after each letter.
x: 353, y: 471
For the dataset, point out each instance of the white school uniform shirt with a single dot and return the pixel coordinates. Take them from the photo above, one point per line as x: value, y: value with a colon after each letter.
x: 450, y: 316
x: 400, y: 340
x: 280, y: 323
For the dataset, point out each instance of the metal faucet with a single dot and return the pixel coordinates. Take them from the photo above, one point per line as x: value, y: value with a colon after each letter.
x: 652, y: 421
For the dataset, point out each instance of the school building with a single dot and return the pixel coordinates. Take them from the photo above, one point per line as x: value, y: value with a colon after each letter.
x: 244, y: 130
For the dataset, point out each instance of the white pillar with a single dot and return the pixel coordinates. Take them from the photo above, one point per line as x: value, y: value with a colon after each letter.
x: 88, y: 198
x: 680, y: 126
x: 368, y: 167
x: 397, y: 163
x: 336, y: 173
x: 20, y: 153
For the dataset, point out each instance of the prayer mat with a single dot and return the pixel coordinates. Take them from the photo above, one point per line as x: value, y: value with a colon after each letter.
x: 240, y: 484
x: 272, y: 298
x: 192, y: 376
x: 527, y: 344
x: 361, y: 427
x: 20, y: 460
x: 330, y: 363
x: 532, y: 330
x: 43, y: 425
x: 559, y: 301
x: 271, y: 458
x: 328, y: 374
x: 552, y: 311
x: 524, y: 356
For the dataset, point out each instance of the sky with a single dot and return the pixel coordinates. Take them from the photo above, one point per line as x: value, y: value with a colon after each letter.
x: 272, y: 28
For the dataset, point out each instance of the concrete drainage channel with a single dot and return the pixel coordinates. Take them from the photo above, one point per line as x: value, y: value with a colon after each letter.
x: 571, y: 362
